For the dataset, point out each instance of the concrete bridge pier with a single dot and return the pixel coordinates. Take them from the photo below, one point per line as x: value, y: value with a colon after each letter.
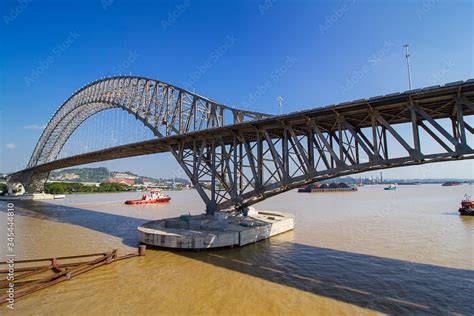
x: 225, y: 228
x: 28, y: 182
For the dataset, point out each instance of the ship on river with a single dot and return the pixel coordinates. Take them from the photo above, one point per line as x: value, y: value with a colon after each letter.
x: 467, y: 206
x: 333, y: 187
x: 391, y: 187
x: 451, y: 184
x: 154, y: 197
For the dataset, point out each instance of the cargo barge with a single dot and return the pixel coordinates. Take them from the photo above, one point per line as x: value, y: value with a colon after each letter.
x: 333, y: 187
x: 451, y: 184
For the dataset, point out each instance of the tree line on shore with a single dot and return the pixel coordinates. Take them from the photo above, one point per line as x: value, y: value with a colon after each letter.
x: 66, y: 187
x: 76, y: 187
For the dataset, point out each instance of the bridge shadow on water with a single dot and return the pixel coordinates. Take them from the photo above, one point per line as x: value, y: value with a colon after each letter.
x: 120, y: 226
x: 382, y: 284
x: 377, y: 283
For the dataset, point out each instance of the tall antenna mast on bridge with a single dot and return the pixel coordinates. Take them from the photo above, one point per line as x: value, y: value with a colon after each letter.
x: 407, y: 56
x: 280, y: 101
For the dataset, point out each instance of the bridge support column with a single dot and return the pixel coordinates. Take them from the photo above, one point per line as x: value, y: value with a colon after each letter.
x: 15, y: 188
x: 37, y: 183
x: 31, y: 182
x: 211, y: 208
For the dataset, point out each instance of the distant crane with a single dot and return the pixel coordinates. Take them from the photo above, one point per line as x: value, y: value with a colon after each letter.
x: 280, y: 104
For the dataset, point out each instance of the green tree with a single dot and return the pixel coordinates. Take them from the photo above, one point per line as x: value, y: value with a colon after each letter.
x: 55, y: 188
x: 113, y: 187
x: 3, y: 188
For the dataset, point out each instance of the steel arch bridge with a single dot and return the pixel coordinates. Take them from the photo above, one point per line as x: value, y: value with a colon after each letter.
x: 236, y: 158
x: 165, y: 109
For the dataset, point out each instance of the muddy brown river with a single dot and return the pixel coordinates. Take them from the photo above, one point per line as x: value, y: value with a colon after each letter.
x: 365, y: 252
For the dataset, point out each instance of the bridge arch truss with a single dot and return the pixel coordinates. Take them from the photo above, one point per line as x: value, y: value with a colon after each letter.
x: 164, y: 108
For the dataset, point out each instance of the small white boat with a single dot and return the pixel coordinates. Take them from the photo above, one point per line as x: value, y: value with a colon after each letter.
x: 390, y: 187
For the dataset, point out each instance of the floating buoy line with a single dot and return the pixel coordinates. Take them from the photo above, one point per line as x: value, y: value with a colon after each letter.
x: 33, y: 275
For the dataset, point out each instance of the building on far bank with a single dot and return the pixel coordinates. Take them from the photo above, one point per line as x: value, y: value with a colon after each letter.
x: 124, y: 181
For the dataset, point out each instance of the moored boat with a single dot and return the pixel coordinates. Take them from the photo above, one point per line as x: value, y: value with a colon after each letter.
x: 154, y: 197
x: 467, y: 206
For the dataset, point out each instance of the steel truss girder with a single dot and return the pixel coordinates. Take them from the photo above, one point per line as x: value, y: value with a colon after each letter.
x: 252, y: 166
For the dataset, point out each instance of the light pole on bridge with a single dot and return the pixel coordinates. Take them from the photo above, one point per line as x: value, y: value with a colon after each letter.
x: 407, y: 56
x: 280, y: 101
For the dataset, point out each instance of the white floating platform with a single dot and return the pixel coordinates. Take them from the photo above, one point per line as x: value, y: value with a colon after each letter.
x: 34, y: 196
x: 224, y: 229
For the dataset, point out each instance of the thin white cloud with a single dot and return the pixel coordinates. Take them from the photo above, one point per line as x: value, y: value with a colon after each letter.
x: 10, y: 146
x: 34, y: 126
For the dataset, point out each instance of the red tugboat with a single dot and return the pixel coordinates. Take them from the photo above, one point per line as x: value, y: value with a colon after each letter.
x: 154, y: 197
x: 467, y: 206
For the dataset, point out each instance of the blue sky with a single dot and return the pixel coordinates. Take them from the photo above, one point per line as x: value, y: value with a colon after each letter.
x: 226, y: 50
